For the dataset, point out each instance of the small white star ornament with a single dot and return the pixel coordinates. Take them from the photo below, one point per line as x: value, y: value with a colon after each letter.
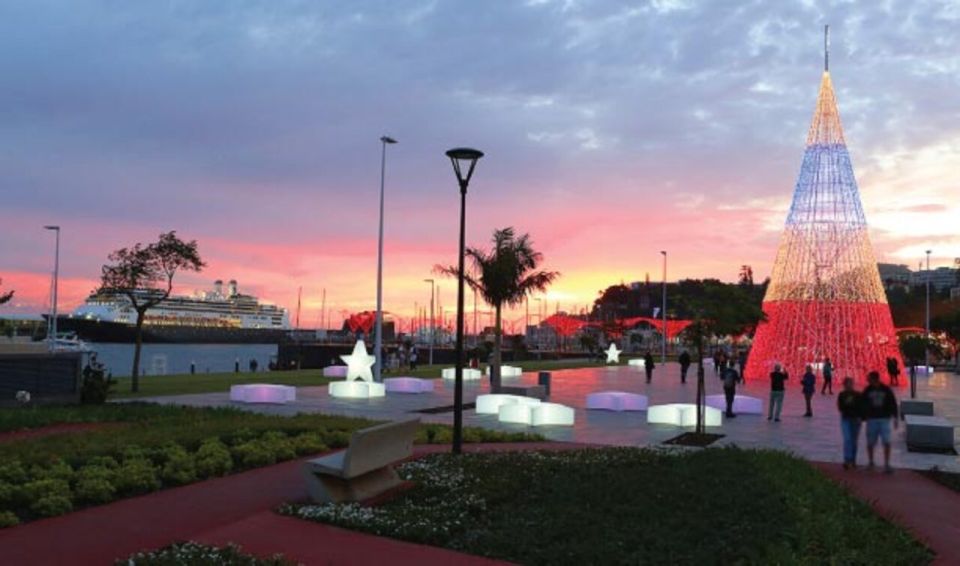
x: 359, y: 363
x: 613, y: 354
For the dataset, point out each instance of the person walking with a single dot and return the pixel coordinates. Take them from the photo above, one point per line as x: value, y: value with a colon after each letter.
x: 777, y: 377
x: 730, y: 379
x: 827, y: 377
x: 716, y: 362
x: 648, y: 365
x: 684, y: 360
x: 809, y: 385
x: 879, y: 407
x: 850, y: 405
x: 742, y: 362
x: 893, y: 370
x: 413, y: 357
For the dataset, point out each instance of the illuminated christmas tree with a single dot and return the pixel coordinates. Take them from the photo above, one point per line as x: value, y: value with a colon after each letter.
x: 825, y: 298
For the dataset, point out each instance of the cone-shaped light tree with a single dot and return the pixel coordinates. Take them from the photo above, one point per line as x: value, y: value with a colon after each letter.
x: 825, y: 297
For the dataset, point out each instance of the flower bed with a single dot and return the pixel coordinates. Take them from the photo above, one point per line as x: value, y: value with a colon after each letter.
x: 620, y: 505
x: 196, y: 554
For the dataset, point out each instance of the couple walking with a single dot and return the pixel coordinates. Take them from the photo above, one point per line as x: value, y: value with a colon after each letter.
x: 808, y: 385
x: 876, y: 406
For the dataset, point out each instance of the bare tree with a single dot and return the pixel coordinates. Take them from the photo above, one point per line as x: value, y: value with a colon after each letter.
x: 5, y: 297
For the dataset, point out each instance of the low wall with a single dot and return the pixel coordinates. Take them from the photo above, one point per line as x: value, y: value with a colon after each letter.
x: 50, y: 378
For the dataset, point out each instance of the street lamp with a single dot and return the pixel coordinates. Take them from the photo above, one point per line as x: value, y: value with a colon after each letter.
x: 378, y: 331
x: 926, y: 352
x: 432, y: 294
x: 663, y: 307
x: 464, y: 160
x: 52, y: 339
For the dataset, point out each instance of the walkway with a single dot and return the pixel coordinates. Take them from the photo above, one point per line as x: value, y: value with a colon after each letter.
x: 929, y: 510
x: 235, y: 508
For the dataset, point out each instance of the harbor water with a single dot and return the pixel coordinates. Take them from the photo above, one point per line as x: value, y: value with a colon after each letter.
x: 167, y: 359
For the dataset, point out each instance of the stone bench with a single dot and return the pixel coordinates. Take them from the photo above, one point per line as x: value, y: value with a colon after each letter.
x: 916, y: 407
x: 930, y: 433
x: 408, y: 385
x: 356, y: 389
x: 617, y: 401
x: 335, y: 371
x: 263, y: 393
x: 635, y: 362
x: 469, y: 374
x: 742, y: 404
x: 507, y: 371
x: 683, y: 414
x: 490, y: 403
x: 365, y: 468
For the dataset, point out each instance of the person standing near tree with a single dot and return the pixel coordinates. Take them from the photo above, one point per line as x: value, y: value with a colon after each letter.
x: 684, y: 360
x: 893, y: 370
x: 730, y: 379
x: 850, y: 404
x: 777, y: 377
x: 827, y: 377
x: 879, y: 407
x: 742, y: 362
x: 809, y: 386
x: 648, y: 365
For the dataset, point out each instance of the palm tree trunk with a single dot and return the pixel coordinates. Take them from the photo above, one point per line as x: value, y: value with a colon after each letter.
x: 138, y: 342
x: 497, y: 358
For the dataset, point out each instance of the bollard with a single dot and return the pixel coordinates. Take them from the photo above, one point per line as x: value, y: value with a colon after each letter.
x: 193, y: 367
x: 236, y: 366
x: 543, y: 378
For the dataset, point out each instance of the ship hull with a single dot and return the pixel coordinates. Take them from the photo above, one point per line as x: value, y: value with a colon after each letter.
x: 116, y: 332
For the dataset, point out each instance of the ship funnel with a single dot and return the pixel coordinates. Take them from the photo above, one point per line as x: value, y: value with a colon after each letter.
x: 218, y: 287
x: 233, y: 287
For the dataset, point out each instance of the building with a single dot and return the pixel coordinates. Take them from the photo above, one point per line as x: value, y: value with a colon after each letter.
x: 894, y: 275
x: 941, y: 278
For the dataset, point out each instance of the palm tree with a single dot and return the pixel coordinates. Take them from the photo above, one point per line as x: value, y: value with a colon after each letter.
x: 503, y: 276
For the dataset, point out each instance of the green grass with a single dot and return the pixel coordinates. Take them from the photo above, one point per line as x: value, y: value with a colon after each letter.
x: 183, y: 384
x: 632, y: 506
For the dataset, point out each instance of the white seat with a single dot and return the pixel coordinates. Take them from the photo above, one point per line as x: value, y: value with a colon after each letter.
x: 682, y: 414
x: 551, y: 414
x: 742, y: 404
x: 637, y: 362
x: 263, y: 393
x: 469, y: 374
x: 617, y: 401
x: 490, y: 403
x: 356, y: 389
x: 507, y: 371
x: 408, y: 385
x: 335, y: 371
x: 518, y: 413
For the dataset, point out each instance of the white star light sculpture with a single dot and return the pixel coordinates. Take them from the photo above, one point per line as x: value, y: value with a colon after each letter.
x: 613, y: 354
x: 359, y: 363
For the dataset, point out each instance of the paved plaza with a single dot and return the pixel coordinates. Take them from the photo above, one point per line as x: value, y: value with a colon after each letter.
x: 816, y: 438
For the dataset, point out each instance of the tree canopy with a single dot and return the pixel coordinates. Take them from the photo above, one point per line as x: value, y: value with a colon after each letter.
x: 5, y: 297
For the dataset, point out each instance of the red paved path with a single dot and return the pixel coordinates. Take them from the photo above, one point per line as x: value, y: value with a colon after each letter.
x: 929, y: 510
x: 223, y: 509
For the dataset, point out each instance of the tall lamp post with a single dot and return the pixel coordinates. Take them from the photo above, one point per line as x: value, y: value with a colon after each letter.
x: 464, y: 161
x: 926, y: 352
x: 432, y: 295
x: 52, y: 339
x: 663, y: 307
x: 378, y: 331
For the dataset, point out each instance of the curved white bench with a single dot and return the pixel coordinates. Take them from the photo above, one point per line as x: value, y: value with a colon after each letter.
x: 507, y: 371
x: 742, y: 404
x: 469, y: 374
x: 617, y: 401
x: 335, y: 371
x: 357, y: 389
x: 490, y: 403
x: 551, y: 414
x: 263, y: 393
x: 682, y: 414
x: 408, y: 385
x: 518, y: 413
x: 636, y: 362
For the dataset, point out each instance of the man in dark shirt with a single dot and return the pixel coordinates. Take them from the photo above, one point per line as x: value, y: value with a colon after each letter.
x: 850, y: 404
x: 777, y: 377
x: 730, y: 379
x: 684, y: 366
x: 879, y: 407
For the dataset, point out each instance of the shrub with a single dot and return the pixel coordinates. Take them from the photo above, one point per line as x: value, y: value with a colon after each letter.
x: 95, y: 490
x: 13, y: 472
x: 95, y: 386
x: 43, y: 488
x: 253, y: 453
x: 280, y: 444
x: 8, y: 494
x: 51, y: 506
x: 197, y: 554
x: 308, y: 443
x: 8, y: 519
x: 136, y: 476
x: 337, y: 439
x: 178, y: 468
x: 107, y: 462
x: 213, y: 459
x: 57, y: 470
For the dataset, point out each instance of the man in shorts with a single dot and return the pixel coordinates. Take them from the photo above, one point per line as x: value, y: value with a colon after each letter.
x: 879, y: 407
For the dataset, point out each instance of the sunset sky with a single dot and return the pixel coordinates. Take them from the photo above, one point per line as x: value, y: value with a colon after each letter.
x: 612, y: 130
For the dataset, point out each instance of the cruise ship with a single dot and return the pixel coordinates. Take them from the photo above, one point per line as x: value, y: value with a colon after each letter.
x: 220, y: 316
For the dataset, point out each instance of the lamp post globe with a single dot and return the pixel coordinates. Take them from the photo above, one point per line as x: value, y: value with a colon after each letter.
x: 464, y: 160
